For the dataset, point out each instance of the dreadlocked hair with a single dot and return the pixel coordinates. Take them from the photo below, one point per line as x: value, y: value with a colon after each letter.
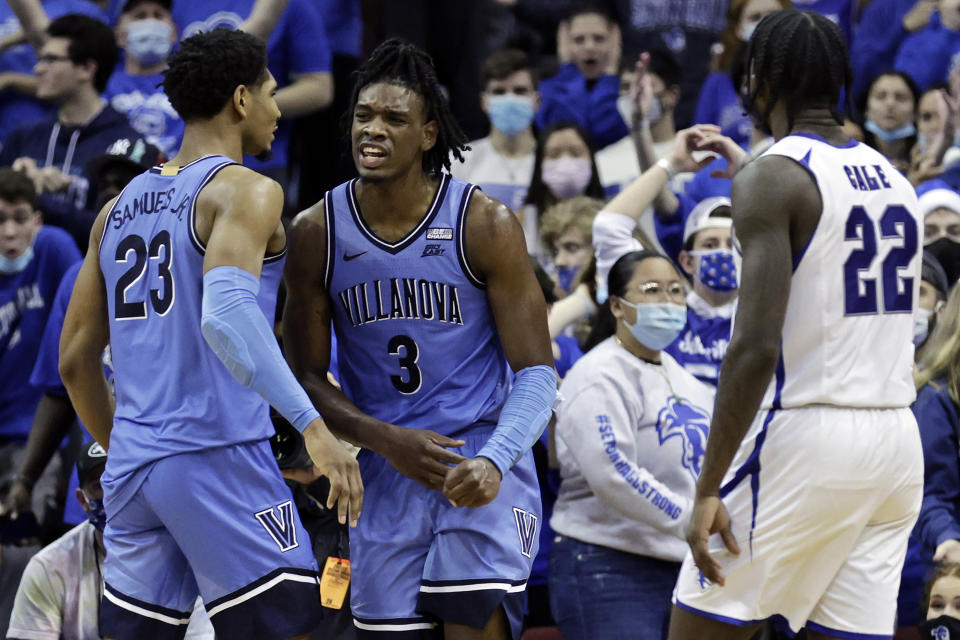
x: 400, y: 63
x: 799, y: 57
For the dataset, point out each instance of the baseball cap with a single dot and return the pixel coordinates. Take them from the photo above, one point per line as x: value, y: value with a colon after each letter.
x: 940, y: 198
x: 135, y: 153
x: 91, y: 457
x: 702, y: 217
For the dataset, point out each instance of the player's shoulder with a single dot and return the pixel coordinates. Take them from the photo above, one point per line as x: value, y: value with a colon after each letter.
x: 243, y: 181
x: 487, y: 214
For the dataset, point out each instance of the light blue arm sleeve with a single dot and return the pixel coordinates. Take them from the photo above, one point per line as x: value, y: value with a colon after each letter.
x: 234, y: 326
x: 524, y: 416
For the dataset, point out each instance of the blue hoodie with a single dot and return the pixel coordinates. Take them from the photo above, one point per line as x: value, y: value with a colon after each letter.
x: 926, y: 54
x: 940, y: 511
x: 565, y: 97
x: 69, y: 148
x: 879, y: 34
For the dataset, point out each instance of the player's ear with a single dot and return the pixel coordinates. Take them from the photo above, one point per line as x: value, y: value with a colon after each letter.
x: 430, y: 132
x: 241, y: 100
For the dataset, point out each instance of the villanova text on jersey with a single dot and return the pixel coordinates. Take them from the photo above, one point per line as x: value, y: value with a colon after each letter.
x: 173, y: 394
x: 416, y: 340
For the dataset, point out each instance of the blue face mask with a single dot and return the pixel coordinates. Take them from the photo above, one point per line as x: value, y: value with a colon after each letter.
x: 149, y: 40
x: 511, y: 114
x: 10, y: 266
x: 658, y: 323
x: 893, y: 135
x: 96, y: 513
x: 566, y: 276
x: 718, y: 270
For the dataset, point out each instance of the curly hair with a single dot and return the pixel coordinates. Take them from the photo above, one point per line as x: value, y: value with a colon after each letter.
x: 208, y: 67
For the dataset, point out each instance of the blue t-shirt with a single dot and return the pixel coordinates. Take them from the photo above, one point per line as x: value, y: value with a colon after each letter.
x: 702, y: 345
x: 878, y: 37
x: 298, y: 45
x: 147, y: 108
x: 344, y: 26
x: 925, y: 55
x: 565, y: 97
x: 25, y: 301
x: 719, y: 104
x: 17, y: 109
x: 840, y: 12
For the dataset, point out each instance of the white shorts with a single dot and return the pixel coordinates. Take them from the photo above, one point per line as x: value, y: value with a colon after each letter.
x: 822, y: 501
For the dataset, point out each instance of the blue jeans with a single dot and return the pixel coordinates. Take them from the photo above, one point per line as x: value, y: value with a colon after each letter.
x: 603, y: 594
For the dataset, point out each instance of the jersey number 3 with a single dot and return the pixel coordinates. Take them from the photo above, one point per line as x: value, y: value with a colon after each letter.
x: 409, y: 353
x: 160, y: 299
x: 860, y: 294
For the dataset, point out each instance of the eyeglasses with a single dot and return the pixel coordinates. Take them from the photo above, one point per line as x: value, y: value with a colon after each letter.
x: 50, y: 58
x: 673, y: 290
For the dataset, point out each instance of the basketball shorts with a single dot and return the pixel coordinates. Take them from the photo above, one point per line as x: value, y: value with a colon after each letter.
x: 418, y: 561
x: 220, y: 523
x: 822, y: 501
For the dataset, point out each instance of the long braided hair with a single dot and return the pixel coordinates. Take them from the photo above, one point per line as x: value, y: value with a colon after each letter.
x: 799, y: 57
x: 401, y: 63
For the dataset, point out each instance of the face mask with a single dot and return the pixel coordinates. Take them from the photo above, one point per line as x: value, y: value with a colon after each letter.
x: 96, y: 513
x: 940, y: 628
x: 566, y: 276
x: 658, y: 323
x: 718, y: 269
x: 566, y: 176
x: 746, y: 31
x: 921, y: 326
x: 149, y: 40
x: 510, y: 114
x: 893, y: 135
x: 10, y: 266
x: 947, y: 252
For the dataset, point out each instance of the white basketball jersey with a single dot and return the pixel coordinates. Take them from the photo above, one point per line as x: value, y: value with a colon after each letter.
x: 848, y: 333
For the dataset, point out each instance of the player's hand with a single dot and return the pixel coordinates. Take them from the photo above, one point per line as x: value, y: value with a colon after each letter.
x: 947, y: 551
x: 472, y: 483
x: 331, y: 459
x: 709, y: 517
x: 423, y: 455
x: 688, y: 141
x: 18, y: 499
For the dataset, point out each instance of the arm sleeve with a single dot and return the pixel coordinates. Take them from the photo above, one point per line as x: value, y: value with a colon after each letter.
x: 38, y: 604
x: 596, y: 427
x: 523, y: 418
x: 234, y: 326
x: 937, y: 418
x: 612, y: 238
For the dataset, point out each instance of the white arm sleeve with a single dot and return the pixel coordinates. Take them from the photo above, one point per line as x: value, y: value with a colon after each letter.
x: 612, y: 238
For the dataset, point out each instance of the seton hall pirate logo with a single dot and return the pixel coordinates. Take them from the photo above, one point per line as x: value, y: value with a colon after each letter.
x: 680, y: 419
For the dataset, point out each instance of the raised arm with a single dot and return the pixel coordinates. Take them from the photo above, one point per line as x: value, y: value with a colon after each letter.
x: 86, y: 332
x: 417, y: 453
x: 263, y: 17
x: 33, y: 20
x: 770, y: 196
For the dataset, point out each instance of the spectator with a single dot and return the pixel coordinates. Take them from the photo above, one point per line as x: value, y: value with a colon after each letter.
x: 884, y: 24
x: 13, y: 560
x: 585, y: 90
x: 942, y: 604
x: 502, y: 163
x: 146, y: 34
x: 564, y: 168
x: 299, y: 59
x: 59, y: 594
x: 889, y: 110
x: 719, y: 99
x: 925, y: 55
x: 940, y: 208
x: 33, y: 259
x: 18, y: 85
x: 73, y: 68
x: 566, y: 232
x: 649, y: 94
x: 840, y: 12
x: 933, y: 295
x: 630, y: 438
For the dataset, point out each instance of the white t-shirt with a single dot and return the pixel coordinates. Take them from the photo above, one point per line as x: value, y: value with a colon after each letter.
x: 59, y: 594
x: 502, y: 178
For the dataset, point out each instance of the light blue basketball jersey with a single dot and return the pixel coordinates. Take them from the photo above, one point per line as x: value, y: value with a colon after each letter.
x: 417, y: 344
x: 173, y: 394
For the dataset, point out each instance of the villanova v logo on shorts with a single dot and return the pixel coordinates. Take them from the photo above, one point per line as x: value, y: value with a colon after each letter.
x: 280, y: 528
x: 526, y: 528
x: 685, y: 421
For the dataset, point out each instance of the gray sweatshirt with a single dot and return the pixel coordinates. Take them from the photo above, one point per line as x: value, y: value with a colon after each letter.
x: 630, y: 440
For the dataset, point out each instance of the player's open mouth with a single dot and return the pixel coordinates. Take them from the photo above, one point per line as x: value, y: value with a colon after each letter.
x: 372, y: 156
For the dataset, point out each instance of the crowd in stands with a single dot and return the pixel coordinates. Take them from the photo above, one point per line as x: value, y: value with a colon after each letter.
x: 583, y: 117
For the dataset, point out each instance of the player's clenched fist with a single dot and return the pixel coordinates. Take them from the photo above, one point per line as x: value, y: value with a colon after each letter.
x: 472, y: 483
x: 423, y: 455
x: 331, y: 459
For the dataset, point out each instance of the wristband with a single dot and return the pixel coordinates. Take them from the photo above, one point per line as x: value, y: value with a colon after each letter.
x: 667, y: 166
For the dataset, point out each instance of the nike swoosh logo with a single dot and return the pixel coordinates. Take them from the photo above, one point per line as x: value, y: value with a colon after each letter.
x: 347, y: 258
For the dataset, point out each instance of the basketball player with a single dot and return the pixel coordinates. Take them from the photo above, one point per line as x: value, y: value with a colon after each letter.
x: 428, y: 287
x: 181, y: 276
x: 813, y: 472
